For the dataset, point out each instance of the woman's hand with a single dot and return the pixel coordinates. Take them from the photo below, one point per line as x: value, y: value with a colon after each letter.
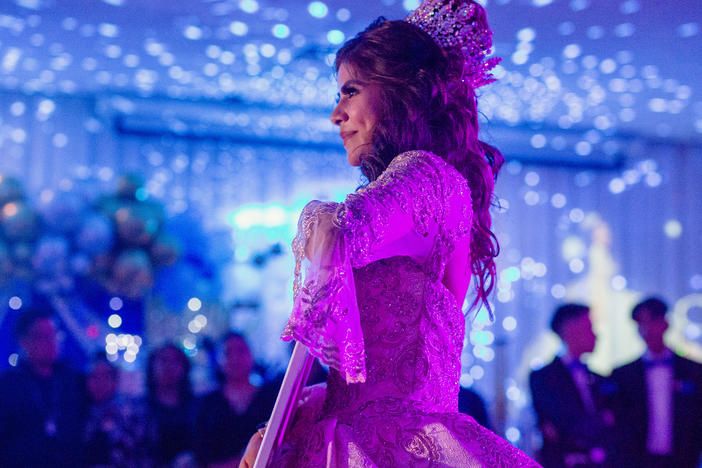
x: 252, y: 449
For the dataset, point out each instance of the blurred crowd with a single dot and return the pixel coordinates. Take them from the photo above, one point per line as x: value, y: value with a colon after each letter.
x: 51, y: 415
x: 646, y: 414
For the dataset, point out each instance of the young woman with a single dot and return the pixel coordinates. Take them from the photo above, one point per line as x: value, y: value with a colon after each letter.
x: 387, y: 271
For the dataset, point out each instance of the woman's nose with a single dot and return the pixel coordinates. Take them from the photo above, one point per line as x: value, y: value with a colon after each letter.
x: 338, y: 115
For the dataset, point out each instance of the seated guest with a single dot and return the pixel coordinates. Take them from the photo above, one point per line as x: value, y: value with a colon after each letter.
x: 229, y: 415
x: 170, y: 406
x: 41, y: 400
x: 658, y: 404
x: 115, y: 432
x: 567, y: 397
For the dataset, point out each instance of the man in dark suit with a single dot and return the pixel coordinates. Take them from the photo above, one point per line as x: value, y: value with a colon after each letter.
x: 567, y: 398
x: 658, y: 400
x: 41, y: 400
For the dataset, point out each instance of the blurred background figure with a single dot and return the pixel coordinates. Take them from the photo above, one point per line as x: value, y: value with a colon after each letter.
x: 658, y: 405
x: 41, y: 400
x: 471, y: 403
x: 568, y: 398
x: 171, y: 407
x: 115, y: 431
x: 229, y: 415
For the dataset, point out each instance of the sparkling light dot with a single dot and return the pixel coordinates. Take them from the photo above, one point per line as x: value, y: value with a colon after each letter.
x: 526, y: 34
x: 558, y: 200
x: 192, y: 32
x: 571, y: 51
x: 189, y: 342
x: 672, y: 228
x: 583, y: 148
x: 558, y: 291
x: 653, y: 179
x: 466, y: 380
x: 129, y: 357
x: 410, y: 5
x: 116, y: 303
x: 280, y: 31
x: 343, y: 14
x: 576, y: 215
x: 335, y: 36
x: 194, y: 304
x: 238, y: 28
x: 509, y: 323
x: 15, y: 303
x: 618, y: 283
x: 617, y: 185
x: 249, y: 6
x: 513, y: 393
x: 688, y: 29
x: 477, y: 372
x: 317, y: 9
x: 531, y: 198
x: 268, y: 50
x: 576, y: 265
x: 114, y: 320
x: 513, y: 434
x: 624, y: 30
x: 531, y: 179
x: 595, y: 32
x: 17, y: 108
x: 200, y: 320
x: 696, y: 282
x: 13, y: 359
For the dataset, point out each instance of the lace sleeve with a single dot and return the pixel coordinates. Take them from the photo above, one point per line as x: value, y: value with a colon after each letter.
x: 407, y: 211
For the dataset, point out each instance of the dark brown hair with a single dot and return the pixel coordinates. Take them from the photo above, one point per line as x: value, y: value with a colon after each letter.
x: 426, y: 105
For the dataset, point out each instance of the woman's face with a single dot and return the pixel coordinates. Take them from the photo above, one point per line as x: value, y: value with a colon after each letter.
x: 357, y: 113
x: 237, y: 361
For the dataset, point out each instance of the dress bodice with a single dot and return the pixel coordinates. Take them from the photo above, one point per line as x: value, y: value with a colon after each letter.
x: 413, y: 331
x: 373, y: 267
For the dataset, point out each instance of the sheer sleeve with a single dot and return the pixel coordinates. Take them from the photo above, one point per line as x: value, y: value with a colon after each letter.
x: 416, y: 208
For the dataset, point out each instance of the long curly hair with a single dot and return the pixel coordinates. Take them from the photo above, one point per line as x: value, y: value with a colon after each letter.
x: 426, y: 105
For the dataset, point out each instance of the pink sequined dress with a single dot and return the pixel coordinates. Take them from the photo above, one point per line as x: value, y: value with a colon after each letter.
x: 370, y: 302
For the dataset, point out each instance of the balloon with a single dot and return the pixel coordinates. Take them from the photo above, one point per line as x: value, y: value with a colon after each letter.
x: 129, y: 185
x: 96, y: 235
x: 63, y: 211
x: 51, y: 256
x: 165, y: 250
x: 10, y: 189
x: 21, y: 252
x: 138, y: 223
x: 80, y: 264
x: 132, y: 274
x: 18, y: 221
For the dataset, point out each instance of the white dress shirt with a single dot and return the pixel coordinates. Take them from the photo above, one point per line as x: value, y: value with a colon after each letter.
x: 659, y: 384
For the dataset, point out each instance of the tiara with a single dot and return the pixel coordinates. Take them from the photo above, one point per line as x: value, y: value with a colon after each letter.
x: 460, y: 24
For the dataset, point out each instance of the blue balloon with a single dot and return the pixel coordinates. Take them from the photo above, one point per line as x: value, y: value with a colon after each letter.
x: 51, y: 256
x: 96, y: 235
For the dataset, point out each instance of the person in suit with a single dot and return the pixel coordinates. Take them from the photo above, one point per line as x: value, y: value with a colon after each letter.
x: 568, y: 398
x: 658, y: 400
x: 42, y: 401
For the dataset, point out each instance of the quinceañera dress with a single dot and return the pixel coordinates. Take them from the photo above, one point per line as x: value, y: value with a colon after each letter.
x: 369, y: 301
